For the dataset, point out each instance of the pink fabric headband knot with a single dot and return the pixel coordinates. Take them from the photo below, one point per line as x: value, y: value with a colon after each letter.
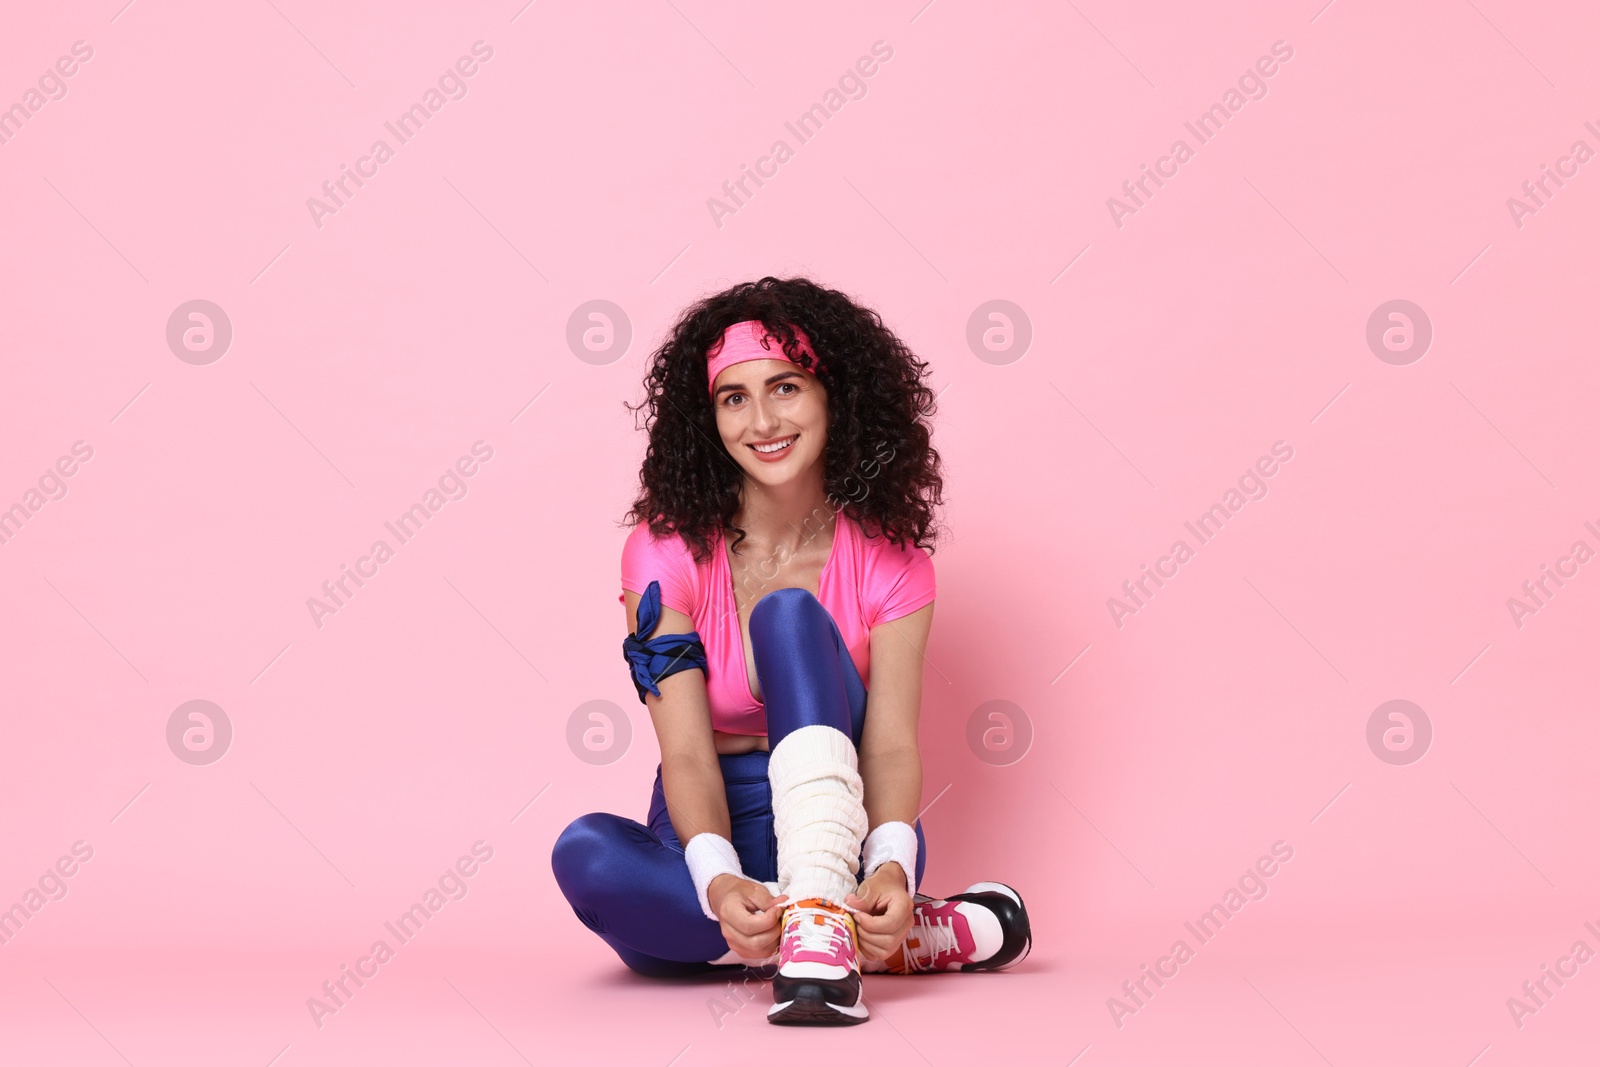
x: 744, y: 341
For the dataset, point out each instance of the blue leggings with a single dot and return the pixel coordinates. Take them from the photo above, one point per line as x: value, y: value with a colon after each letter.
x: 628, y: 881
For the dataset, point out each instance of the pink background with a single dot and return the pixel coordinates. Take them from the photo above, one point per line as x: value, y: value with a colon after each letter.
x: 1228, y: 313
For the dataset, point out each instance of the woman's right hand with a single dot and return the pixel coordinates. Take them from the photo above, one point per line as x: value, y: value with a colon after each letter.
x: 751, y: 916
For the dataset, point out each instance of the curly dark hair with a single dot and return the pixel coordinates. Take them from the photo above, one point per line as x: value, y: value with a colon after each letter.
x: 879, y: 460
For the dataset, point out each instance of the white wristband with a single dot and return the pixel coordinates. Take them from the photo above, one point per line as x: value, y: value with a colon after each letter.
x: 708, y: 856
x: 896, y: 841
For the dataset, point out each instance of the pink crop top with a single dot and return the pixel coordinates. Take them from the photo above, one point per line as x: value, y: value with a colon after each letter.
x: 866, y: 581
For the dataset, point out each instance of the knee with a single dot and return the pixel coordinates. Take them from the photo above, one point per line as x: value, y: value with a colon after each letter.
x: 786, y: 609
x: 581, y: 853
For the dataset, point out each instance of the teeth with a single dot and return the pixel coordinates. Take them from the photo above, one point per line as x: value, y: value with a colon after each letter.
x: 774, y: 448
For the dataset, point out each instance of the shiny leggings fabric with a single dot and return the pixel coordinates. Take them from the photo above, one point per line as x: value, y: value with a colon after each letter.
x: 628, y: 882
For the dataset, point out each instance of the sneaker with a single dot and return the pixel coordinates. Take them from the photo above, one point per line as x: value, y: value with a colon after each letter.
x: 983, y: 928
x: 819, y: 979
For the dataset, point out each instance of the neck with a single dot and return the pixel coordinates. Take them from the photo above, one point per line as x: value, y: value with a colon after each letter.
x: 785, y: 516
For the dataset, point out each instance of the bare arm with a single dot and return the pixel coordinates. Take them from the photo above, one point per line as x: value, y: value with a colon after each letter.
x: 691, y: 776
x: 691, y: 783
x: 890, y: 758
x: 891, y: 773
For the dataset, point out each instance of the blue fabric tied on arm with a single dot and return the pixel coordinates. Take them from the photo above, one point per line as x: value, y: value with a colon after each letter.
x: 652, y: 659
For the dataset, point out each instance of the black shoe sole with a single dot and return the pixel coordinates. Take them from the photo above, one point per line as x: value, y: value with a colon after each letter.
x: 810, y: 1006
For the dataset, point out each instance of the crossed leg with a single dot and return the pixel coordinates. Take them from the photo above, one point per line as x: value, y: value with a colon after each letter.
x: 628, y: 881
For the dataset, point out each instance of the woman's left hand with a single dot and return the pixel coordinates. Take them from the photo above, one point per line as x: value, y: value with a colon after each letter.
x: 883, y: 912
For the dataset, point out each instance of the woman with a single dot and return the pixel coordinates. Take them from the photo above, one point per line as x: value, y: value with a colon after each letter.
x: 782, y: 412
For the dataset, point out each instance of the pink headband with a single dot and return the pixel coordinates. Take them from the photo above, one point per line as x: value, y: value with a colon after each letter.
x: 744, y: 341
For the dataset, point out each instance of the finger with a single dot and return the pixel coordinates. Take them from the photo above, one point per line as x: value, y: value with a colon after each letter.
x: 749, y: 908
x: 870, y: 906
x: 875, y: 926
x: 760, y: 923
x: 758, y: 946
x: 749, y: 923
x: 754, y: 906
x: 875, y: 948
x: 759, y: 929
x: 761, y: 900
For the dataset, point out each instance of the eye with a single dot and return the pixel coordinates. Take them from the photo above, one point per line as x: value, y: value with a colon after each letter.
x: 789, y: 385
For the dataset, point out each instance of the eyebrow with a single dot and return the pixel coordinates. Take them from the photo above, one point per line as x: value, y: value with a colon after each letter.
x: 775, y: 378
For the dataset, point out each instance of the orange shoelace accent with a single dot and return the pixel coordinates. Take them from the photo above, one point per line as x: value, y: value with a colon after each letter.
x: 846, y: 920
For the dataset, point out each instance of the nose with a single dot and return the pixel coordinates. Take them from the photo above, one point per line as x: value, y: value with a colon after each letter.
x: 764, y: 416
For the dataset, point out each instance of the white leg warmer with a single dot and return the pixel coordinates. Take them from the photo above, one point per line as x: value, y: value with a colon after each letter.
x: 817, y: 813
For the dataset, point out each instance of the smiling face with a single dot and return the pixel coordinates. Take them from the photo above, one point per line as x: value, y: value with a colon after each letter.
x: 771, y: 402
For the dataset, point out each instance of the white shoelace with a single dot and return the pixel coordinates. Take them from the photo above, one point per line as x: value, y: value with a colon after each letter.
x: 933, y: 937
x: 820, y: 937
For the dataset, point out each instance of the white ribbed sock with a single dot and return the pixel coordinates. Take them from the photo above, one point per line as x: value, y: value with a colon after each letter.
x: 731, y: 956
x: 817, y: 813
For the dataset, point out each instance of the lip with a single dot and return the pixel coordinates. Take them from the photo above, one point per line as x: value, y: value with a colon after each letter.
x: 773, y: 457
